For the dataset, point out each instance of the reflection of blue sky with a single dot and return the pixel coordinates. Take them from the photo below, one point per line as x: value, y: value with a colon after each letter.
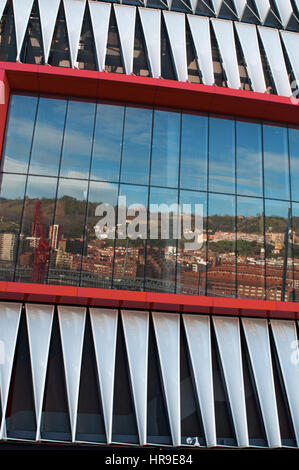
x: 222, y: 156
x: 12, y: 186
x: 135, y: 195
x: 72, y: 188
x: 249, y: 207
x: 39, y: 187
x: 163, y: 196
x: 276, y: 171
x: 103, y: 192
x: 276, y: 208
x: 221, y: 204
x: 294, y: 157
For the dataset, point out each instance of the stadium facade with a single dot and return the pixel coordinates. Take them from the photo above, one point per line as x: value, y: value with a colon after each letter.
x: 141, y: 341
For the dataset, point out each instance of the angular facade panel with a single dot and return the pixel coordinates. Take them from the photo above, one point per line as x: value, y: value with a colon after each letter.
x: 22, y: 10
x: 100, y: 15
x: 200, y: 30
x: 125, y: 17
x: 151, y: 25
x: 74, y: 12
x: 48, y: 15
x: 175, y: 24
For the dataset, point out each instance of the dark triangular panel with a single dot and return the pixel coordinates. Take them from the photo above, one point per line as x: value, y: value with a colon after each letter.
x: 137, y: 3
x: 249, y: 16
x: 90, y: 420
x: 194, y: 74
x: 86, y: 54
x: 158, y: 430
x: 60, y: 51
x: 20, y: 412
x: 32, y: 49
x: 157, y: 4
x: 55, y: 423
x: 181, y: 5
x: 113, y: 61
x: 191, y: 422
x: 227, y: 11
x: 124, y: 427
x: 8, y: 44
x: 167, y: 68
x: 205, y: 8
x: 293, y: 24
x: 272, y: 20
x: 224, y: 427
x: 140, y: 63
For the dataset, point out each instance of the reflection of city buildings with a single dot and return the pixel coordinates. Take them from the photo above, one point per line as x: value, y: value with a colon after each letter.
x: 7, y: 246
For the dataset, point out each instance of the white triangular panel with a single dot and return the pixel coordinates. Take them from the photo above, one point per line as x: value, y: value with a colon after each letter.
x: 199, y: 344
x: 167, y: 331
x: 151, y: 25
x: 2, y: 6
x: 229, y: 345
x: 104, y: 330
x: 193, y: 5
x: 100, y: 16
x: 39, y: 324
x: 217, y: 5
x: 21, y: 10
x: 263, y: 8
x: 200, y: 30
x: 240, y: 7
x: 272, y: 45
x: 285, y: 11
x: 74, y: 12
x: 176, y: 29
x: 125, y: 18
x: 9, y: 324
x: 48, y: 14
x: 72, y: 322
x: 286, y: 343
x: 291, y: 42
x: 258, y: 343
x: 136, y: 336
x: 226, y: 42
x: 249, y: 42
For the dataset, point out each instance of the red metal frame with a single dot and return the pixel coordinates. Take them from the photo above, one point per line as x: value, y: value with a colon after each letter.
x: 152, y: 92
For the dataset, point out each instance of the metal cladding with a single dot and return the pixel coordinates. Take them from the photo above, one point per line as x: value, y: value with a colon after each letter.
x: 258, y: 342
x: 264, y: 26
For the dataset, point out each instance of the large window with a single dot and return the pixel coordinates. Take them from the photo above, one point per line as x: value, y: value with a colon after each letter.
x: 66, y: 160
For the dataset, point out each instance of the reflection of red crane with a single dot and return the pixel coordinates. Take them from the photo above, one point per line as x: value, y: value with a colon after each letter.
x: 42, y: 248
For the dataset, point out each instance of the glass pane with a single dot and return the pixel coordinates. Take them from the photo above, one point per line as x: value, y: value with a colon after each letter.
x: 276, y: 165
x: 249, y: 158
x: 137, y: 146
x: 276, y: 227
x: 75, y: 162
x: 250, y: 248
x: 165, y: 151
x: 34, y: 244
x: 221, y: 271
x: 192, y: 261
x: 295, y: 220
x: 222, y: 155
x: 20, y: 125
x: 161, y: 252
x: 130, y: 252
x: 294, y: 162
x: 194, y: 147
x: 107, y: 143
x: 11, y: 206
x: 98, y: 256
x: 48, y: 135
x: 68, y: 232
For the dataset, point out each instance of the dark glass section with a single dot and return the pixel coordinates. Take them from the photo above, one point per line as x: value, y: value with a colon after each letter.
x: 34, y: 242
x: 90, y: 420
x: 194, y: 152
x: 158, y: 430
x: 32, y: 50
x: 136, y: 146
x: 191, y: 424
x: 227, y: 11
x: 243, y: 73
x: 165, y: 149
x: 279, y: 265
x: 276, y: 164
x: 60, y: 51
x: 204, y: 7
x: 167, y: 66
x: 224, y: 426
x: 157, y: 4
x: 250, y: 248
x: 97, y: 263
x: 113, y: 55
x: 77, y: 142
x: 256, y: 430
x: 86, y: 58
x: 20, y: 412
x: 55, y: 423
x: 249, y: 158
x: 8, y: 44
x: 11, y: 207
x: 181, y: 5
x: 48, y: 135
x: 19, y: 132
x: 161, y: 250
x: 219, y: 72
x: 194, y: 73
x: 107, y: 143
x: 140, y: 63
x: 221, y: 267
x: 221, y: 155
x: 294, y: 162
x: 295, y: 239
x: 124, y: 427
x: 129, y: 258
x: 270, y: 84
x: 250, y: 14
x: 192, y: 247
x: 67, y: 231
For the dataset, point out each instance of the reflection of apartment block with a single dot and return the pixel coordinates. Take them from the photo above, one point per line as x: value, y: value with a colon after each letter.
x: 7, y: 246
x: 64, y: 260
x: 53, y: 236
